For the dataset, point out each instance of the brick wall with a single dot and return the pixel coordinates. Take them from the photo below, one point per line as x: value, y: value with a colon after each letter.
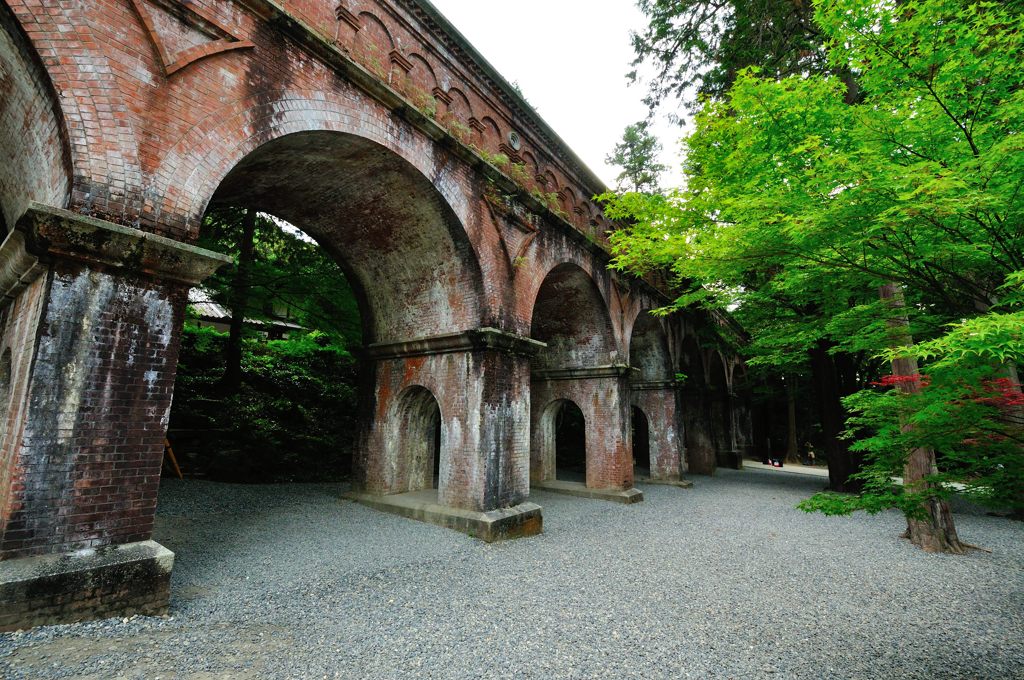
x: 31, y: 143
x: 87, y: 466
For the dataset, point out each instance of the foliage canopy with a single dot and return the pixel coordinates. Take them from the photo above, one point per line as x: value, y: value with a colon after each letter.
x: 800, y: 201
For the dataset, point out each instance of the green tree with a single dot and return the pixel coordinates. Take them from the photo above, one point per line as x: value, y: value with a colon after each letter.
x: 704, y: 44
x: 637, y: 155
x: 287, y: 270
x: 800, y: 196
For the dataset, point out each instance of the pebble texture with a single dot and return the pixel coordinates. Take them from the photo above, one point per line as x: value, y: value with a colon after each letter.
x: 725, y: 580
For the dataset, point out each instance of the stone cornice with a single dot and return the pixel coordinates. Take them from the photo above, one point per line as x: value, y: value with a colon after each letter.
x: 482, y: 339
x: 48, y: 234
x: 645, y: 385
x: 582, y: 372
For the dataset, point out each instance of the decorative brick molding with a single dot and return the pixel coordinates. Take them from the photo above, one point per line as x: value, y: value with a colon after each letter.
x: 18, y: 267
x: 195, y: 17
x: 344, y: 14
x: 441, y: 96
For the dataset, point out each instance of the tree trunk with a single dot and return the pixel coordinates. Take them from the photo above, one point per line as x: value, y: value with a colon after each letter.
x: 792, y: 446
x: 232, y: 378
x: 934, y: 531
x: 841, y: 461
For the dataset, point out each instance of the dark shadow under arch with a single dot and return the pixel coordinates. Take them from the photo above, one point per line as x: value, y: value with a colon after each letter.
x: 571, y: 316
x: 641, y: 441
x: 570, y: 441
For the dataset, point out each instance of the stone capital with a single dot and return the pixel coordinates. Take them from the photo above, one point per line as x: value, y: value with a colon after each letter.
x: 481, y: 339
x: 583, y: 372
x: 45, y: 234
x: 651, y: 385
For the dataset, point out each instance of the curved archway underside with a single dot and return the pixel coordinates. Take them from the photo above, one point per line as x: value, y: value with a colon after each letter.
x: 36, y: 165
x: 572, y: 318
x: 396, y: 238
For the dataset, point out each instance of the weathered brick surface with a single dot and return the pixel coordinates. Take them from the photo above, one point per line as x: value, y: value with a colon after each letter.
x: 605, y: 405
x: 665, y: 430
x: 654, y: 392
x: 87, y: 466
x: 116, y: 581
x: 20, y: 322
x: 33, y: 148
x: 364, y: 122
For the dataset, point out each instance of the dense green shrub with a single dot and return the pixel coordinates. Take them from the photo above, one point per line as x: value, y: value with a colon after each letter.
x: 294, y: 418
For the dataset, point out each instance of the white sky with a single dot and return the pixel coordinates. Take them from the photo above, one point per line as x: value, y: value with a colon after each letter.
x: 570, y: 60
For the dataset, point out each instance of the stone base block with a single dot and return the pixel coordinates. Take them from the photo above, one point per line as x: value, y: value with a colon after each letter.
x: 119, y: 580
x: 497, y: 525
x: 626, y: 496
x: 681, y: 483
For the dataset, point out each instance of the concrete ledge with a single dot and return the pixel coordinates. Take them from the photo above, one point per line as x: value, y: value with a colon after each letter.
x: 119, y: 580
x: 681, y: 483
x: 497, y: 525
x: 627, y: 496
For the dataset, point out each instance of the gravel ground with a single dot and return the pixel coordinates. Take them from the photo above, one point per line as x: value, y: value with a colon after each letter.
x: 723, y: 580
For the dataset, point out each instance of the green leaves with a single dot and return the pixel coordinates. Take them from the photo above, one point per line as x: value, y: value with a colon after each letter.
x: 637, y: 155
x: 901, y: 162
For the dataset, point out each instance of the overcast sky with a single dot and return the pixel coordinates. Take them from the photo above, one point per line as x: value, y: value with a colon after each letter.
x: 570, y: 59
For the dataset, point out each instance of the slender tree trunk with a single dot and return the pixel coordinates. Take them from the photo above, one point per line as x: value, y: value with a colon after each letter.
x: 841, y: 461
x: 934, y: 531
x: 792, y: 446
x: 232, y: 378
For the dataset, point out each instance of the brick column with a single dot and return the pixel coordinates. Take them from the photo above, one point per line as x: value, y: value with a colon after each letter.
x: 602, y: 394
x: 480, y: 382
x: 658, y: 402
x: 91, y: 320
x: 723, y: 426
x: 696, y: 414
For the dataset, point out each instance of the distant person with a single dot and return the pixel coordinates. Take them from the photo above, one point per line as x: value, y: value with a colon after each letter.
x: 810, y: 454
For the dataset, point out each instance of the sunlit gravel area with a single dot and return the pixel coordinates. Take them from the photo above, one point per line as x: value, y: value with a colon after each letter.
x: 723, y: 580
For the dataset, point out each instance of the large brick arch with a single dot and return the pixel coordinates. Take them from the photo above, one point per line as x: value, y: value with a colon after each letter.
x: 649, y: 350
x: 33, y: 138
x: 571, y: 316
x: 402, y: 245
x: 653, y: 393
x: 320, y: 112
x: 197, y: 162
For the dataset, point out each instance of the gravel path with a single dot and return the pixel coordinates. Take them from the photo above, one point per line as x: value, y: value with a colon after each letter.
x: 724, y: 580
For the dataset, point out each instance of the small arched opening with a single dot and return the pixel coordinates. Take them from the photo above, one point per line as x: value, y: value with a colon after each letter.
x: 641, y: 443
x: 570, y: 443
x: 417, y: 428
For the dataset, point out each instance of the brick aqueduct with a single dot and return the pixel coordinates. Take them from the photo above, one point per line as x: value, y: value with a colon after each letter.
x: 461, y: 219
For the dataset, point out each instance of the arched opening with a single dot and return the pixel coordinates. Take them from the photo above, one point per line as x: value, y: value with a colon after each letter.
x: 570, y: 443
x: 417, y: 425
x: 572, y: 318
x: 403, y: 269
x: 648, y: 351
x: 580, y: 419
x: 641, y: 443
